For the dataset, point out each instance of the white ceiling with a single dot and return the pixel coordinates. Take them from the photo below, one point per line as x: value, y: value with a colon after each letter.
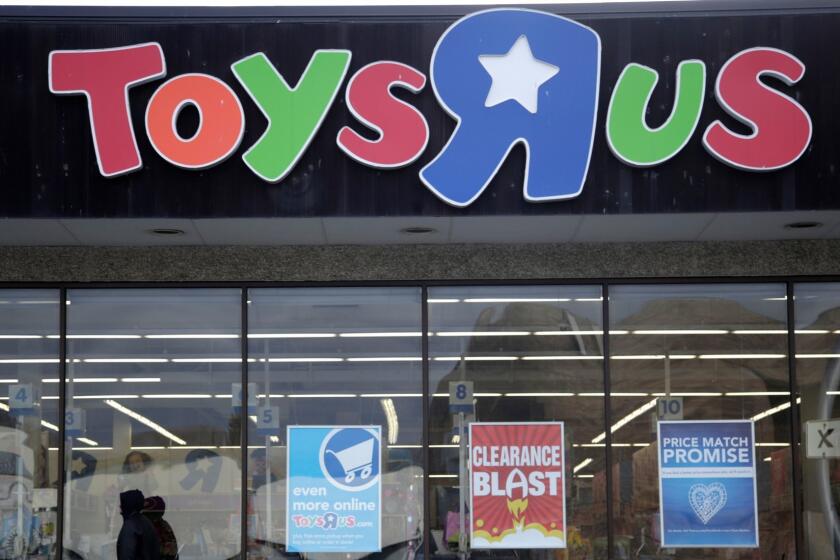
x: 387, y: 230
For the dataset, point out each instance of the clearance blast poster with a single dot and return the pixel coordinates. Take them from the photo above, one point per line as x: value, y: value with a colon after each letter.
x: 707, y: 486
x: 517, y: 490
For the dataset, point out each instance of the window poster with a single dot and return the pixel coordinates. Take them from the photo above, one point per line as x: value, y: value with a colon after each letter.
x: 707, y: 484
x: 517, y: 489
x: 333, y: 489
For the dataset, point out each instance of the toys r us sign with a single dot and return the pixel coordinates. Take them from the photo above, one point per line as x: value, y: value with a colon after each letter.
x: 507, y: 76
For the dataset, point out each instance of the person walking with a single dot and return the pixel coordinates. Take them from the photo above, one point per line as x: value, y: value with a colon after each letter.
x: 137, y: 539
x: 153, y: 509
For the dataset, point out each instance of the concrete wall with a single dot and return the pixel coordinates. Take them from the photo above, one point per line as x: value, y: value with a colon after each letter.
x: 420, y: 262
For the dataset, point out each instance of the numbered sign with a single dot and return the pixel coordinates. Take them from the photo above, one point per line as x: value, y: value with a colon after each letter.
x: 21, y: 399
x: 236, y: 397
x: 75, y: 422
x: 670, y: 408
x: 461, y: 397
x: 268, y: 420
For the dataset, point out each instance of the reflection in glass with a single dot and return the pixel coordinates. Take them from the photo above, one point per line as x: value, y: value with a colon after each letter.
x: 533, y: 353
x: 29, y: 356
x: 723, y: 350
x: 818, y: 376
x: 150, y: 379
x: 337, y: 356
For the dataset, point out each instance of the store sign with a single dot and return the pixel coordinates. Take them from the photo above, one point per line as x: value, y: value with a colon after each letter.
x: 707, y: 484
x: 333, y: 489
x: 517, y: 490
x: 507, y: 76
x: 822, y: 439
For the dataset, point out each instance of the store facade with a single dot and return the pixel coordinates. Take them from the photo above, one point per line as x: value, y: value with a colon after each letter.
x: 598, y: 243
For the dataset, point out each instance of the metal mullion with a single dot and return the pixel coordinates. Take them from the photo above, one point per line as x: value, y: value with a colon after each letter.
x: 62, y: 408
x: 605, y: 319
x: 427, y: 516
x: 243, y: 423
x: 795, y: 429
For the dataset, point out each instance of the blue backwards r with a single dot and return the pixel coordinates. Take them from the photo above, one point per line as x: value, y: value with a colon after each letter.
x: 510, y: 76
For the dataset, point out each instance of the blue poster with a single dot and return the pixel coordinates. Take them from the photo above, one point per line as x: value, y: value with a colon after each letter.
x: 333, y: 489
x: 707, y: 487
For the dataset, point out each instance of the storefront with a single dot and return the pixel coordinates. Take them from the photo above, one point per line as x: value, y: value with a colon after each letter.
x: 422, y: 282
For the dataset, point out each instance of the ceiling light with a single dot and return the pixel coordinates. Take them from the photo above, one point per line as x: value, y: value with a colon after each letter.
x: 145, y: 421
x: 417, y: 230
x: 803, y: 225
x: 190, y: 336
x: 166, y: 232
x: 292, y: 335
x: 379, y: 334
x: 482, y: 333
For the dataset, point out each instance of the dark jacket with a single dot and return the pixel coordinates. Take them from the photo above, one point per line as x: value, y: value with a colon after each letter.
x: 153, y: 510
x: 138, y: 539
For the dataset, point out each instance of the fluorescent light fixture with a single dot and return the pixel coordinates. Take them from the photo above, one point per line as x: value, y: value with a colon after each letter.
x: 30, y: 361
x: 444, y: 445
x: 406, y: 446
x: 149, y: 448
x: 140, y: 379
x: 758, y: 394
x: 448, y: 359
x: 390, y: 395
x: 581, y: 465
x: 490, y: 358
x: 592, y: 445
x: 49, y: 425
x: 590, y: 394
x: 587, y: 299
x: 88, y: 441
x: 391, y: 419
x: 271, y: 396
x: 8, y: 381
x: 104, y: 397
x: 125, y: 360
x: 568, y: 333
x: 516, y: 300
x: 303, y: 360
x: 103, y: 336
x: 190, y: 336
x: 811, y: 331
x: 387, y: 359
x: 817, y: 356
x: 85, y: 380
x: 324, y: 396
x: 482, y: 333
x: 274, y: 439
x: 443, y: 300
x: 292, y: 335
x: 145, y: 421
x: 772, y: 411
x: 379, y: 334
x: 741, y: 356
x: 639, y: 357
x: 178, y: 396
x: 487, y: 394
x: 680, y: 331
x: 19, y: 336
x: 440, y: 395
x: 560, y: 358
x: 443, y: 476
x: 627, y: 419
x: 689, y: 394
x: 539, y: 394
x: 772, y: 444
x: 614, y: 332
x: 584, y: 476
x: 758, y: 331
x: 206, y: 360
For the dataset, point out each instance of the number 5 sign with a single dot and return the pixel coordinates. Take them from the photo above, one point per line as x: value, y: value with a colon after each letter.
x: 268, y: 420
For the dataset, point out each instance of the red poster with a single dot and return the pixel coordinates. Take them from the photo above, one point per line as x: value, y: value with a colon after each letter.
x: 517, y: 490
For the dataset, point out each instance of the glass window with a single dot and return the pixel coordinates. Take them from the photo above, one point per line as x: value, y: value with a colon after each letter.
x: 150, y: 379
x: 533, y: 354
x: 29, y: 358
x: 818, y: 376
x: 722, y: 349
x: 337, y: 357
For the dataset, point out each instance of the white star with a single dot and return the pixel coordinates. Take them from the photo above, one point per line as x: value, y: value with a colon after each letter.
x: 516, y: 75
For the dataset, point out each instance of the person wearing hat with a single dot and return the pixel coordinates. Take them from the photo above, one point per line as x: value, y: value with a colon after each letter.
x: 153, y: 509
x: 137, y: 539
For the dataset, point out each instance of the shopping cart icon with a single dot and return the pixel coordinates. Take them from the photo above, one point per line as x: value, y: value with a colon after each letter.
x: 356, y: 459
